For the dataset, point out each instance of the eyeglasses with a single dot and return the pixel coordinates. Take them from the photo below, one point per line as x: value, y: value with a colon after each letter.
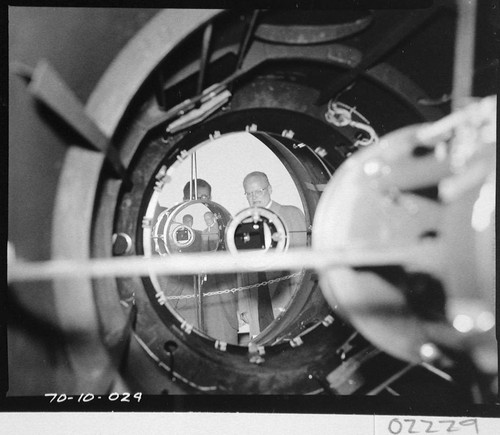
x: 256, y: 193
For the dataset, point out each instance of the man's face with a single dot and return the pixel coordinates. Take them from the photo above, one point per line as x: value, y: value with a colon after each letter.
x: 209, y: 219
x: 257, y: 191
x: 203, y: 192
x: 188, y: 222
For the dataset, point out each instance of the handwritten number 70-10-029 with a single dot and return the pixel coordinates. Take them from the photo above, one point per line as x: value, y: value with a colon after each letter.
x: 89, y: 397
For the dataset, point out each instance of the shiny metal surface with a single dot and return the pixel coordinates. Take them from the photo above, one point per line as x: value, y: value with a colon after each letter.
x: 373, y: 201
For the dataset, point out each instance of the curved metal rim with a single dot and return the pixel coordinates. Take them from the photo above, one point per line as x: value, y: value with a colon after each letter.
x: 107, y: 105
x: 203, y: 346
x: 294, y: 34
x: 79, y: 182
x: 137, y: 60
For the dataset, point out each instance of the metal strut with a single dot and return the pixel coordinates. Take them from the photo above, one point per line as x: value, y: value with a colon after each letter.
x: 463, y: 68
x: 193, y: 181
x: 207, y: 37
x: 49, y: 88
x: 246, y: 39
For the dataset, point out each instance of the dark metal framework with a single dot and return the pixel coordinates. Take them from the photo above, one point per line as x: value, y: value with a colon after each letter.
x: 278, y: 87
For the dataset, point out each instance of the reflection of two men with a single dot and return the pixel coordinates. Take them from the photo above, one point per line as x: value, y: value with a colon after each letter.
x: 195, y: 246
x: 260, y: 306
x: 218, y: 312
x: 206, y: 240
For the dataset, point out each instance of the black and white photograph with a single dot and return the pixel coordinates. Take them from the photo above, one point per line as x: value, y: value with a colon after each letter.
x: 253, y: 210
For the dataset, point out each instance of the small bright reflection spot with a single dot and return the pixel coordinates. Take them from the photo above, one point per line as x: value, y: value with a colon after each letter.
x: 428, y: 351
x: 371, y: 167
x: 463, y: 323
x: 484, y: 207
x: 485, y: 321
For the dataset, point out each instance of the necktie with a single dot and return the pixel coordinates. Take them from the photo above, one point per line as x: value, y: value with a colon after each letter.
x: 264, y: 305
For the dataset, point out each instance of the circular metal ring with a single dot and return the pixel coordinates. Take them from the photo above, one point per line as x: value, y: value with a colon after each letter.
x: 182, y: 236
x: 193, y: 346
x: 257, y: 228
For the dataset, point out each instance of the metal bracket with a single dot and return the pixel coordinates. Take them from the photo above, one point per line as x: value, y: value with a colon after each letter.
x: 321, y: 152
x: 146, y: 222
x: 215, y: 135
x: 162, y: 299
x: 220, y: 345
x: 328, y: 320
x: 297, y: 341
x: 347, y: 346
x: 256, y: 352
x: 288, y: 133
x: 186, y: 327
x: 212, y: 100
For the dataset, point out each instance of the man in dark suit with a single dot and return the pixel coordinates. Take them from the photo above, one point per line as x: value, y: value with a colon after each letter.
x: 257, y: 308
x: 258, y: 191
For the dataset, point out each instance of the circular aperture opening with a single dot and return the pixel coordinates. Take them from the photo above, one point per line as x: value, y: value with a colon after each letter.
x: 233, y: 192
